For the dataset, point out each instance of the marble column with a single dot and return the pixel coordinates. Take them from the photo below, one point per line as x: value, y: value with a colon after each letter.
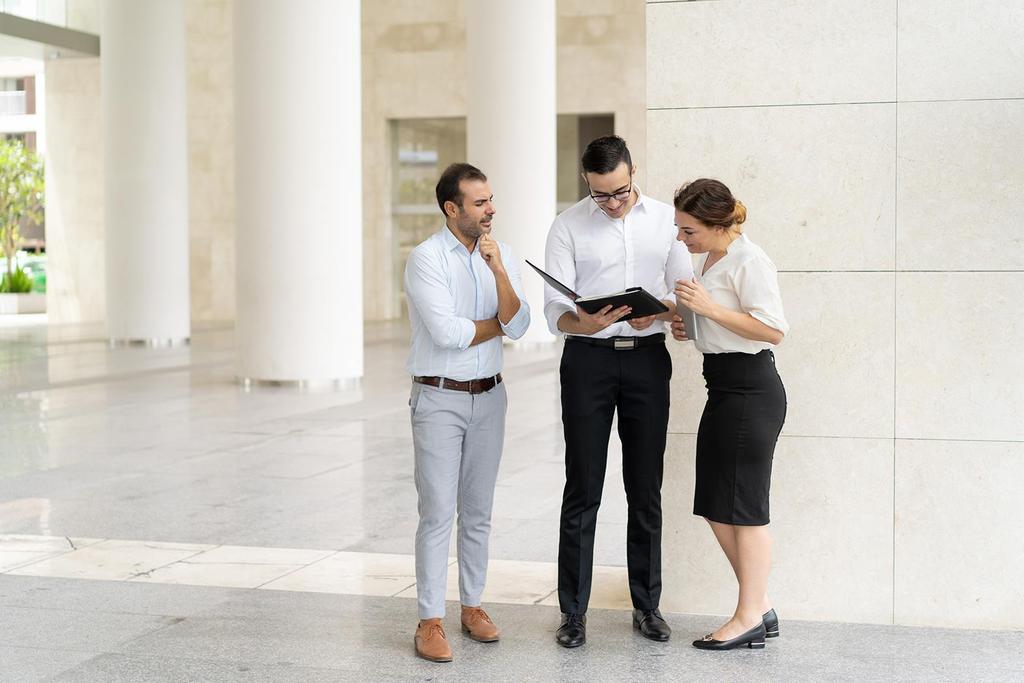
x: 510, y: 102
x: 142, y: 95
x: 298, y: 191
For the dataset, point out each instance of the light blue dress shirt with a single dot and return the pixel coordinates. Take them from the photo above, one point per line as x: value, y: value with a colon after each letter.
x: 448, y: 288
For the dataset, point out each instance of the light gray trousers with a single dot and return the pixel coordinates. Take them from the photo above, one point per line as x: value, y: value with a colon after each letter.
x: 457, y: 438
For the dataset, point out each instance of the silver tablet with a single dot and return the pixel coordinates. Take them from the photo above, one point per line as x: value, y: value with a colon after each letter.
x: 689, y: 321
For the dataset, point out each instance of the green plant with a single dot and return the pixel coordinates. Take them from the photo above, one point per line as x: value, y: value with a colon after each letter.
x: 21, y: 196
x: 17, y: 282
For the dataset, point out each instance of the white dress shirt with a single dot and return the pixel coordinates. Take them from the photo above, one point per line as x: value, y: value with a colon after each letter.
x: 447, y: 289
x: 744, y: 280
x: 593, y: 255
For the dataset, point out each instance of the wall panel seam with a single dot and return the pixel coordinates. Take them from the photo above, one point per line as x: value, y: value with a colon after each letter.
x: 838, y: 104
x: 784, y: 435
x: 902, y: 270
x: 895, y: 286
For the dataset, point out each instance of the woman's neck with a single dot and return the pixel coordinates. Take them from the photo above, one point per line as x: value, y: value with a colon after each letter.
x: 722, y: 246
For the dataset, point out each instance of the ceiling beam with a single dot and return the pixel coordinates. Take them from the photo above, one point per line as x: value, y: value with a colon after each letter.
x: 88, y: 44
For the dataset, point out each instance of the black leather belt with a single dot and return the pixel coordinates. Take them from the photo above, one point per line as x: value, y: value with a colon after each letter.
x: 473, y: 386
x: 620, y: 343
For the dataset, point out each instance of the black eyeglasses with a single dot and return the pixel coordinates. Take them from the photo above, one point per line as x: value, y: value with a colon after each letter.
x: 620, y: 196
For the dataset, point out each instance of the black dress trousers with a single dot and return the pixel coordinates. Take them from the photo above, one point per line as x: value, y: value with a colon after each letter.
x: 597, y: 381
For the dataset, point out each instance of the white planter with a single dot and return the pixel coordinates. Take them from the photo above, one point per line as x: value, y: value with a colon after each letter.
x: 22, y: 303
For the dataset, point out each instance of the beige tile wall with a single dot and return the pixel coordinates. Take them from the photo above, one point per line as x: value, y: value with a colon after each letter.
x: 76, y: 252
x: 959, y: 370
x: 211, y: 158
x: 820, y: 177
x: 960, y: 180
x: 958, y: 551
x: 951, y: 50
x: 746, y: 52
x: 887, y: 190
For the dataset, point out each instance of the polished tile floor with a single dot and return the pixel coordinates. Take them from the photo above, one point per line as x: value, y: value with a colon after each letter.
x: 158, y: 522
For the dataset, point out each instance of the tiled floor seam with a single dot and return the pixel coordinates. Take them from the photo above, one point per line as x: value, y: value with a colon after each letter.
x: 367, y: 574
x: 277, y: 578
x: 149, y: 572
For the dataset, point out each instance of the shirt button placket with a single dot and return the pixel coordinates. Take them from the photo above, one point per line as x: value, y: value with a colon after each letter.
x: 630, y: 257
x: 476, y: 306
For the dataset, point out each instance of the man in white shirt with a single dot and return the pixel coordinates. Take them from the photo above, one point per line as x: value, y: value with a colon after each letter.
x: 612, y: 240
x: 464, y: 294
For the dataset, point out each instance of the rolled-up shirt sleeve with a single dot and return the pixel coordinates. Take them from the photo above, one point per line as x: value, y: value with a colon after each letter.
x: 520, y: 322
x: 679, y: 266
x: 559, y: 263
x: 757, y: 288
x: 427, y: 290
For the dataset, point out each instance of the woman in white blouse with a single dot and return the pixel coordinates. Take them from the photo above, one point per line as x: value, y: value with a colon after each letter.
x: 739, y: 319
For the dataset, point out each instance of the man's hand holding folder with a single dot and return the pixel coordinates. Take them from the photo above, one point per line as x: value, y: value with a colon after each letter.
x: 592, y: 323
x: 642, y: 323
x: 634, y: 303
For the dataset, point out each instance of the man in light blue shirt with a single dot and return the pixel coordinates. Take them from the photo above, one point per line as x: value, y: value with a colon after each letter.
x: 464, y: 294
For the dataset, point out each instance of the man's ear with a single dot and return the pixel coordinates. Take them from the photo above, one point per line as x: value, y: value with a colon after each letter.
x: 632, y: 171
x: 450, y: 209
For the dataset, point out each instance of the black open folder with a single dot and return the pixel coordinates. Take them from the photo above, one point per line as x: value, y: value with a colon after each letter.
x: 640, y: 300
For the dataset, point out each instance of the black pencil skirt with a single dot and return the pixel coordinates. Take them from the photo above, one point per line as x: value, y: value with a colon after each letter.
x: 736, y: 439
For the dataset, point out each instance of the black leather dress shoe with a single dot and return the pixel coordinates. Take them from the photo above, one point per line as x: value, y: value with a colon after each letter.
x: 771, y: 624
x: 651, y: 624
x: 573, y: 631
x: 754, y: 639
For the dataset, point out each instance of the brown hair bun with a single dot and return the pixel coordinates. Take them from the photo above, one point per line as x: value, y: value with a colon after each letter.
x: 710, y: 202
x: 739, y: 214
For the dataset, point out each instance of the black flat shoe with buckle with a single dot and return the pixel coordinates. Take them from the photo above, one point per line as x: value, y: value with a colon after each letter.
x: 651, y: 625
x: 754, y: 639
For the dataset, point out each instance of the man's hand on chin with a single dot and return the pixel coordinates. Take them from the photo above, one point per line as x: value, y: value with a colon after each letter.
x: 490, y: 253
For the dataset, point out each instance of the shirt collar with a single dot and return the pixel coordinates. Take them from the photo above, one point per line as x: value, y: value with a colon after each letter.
x: 449, y: 239
x: 738, y: 243
x: 641, y: 199
x: 640, y: 203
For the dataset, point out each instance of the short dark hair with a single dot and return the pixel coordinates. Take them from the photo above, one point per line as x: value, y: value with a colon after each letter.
x: 604, y: 155
x: 447, y: 189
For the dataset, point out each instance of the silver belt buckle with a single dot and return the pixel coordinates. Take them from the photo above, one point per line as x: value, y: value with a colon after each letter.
x: 625, y: 344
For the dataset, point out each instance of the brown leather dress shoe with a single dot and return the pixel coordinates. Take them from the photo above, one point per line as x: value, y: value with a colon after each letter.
x: 431, y: 641
x: 478, y: 625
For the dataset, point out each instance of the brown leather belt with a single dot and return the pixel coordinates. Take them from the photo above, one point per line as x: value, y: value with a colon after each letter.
x: 473, y: 386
